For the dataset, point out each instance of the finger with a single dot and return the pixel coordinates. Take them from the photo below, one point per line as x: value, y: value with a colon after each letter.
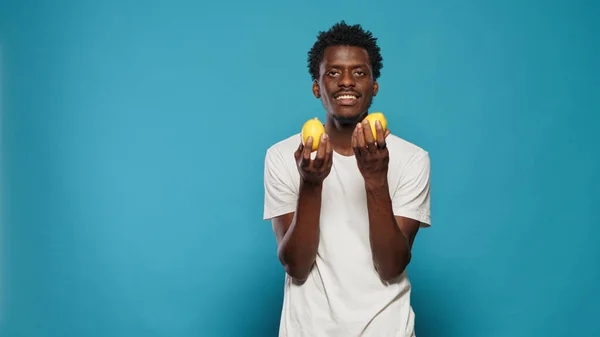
x: 298, y: 152
x: 380, y: 135
x: 360, y: 139
x: 368, y: 133
x: 306, y: 152
x: 355, y: 147
x: 354, y: 142
x: 329, y: 155
x: 387, y: 132
x: 320, y: 157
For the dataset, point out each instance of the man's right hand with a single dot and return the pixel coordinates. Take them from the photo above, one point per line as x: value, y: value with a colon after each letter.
x: 314, y: 171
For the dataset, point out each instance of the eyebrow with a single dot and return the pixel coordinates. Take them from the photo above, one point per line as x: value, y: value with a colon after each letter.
x: 362, y: 65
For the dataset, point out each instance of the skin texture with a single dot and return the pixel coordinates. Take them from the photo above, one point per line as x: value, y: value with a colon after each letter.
x: 345, y: 70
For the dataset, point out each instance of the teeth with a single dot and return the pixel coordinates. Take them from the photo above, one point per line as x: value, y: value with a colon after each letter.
x: 346, y: 97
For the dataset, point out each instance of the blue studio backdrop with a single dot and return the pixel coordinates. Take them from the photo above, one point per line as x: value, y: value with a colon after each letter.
x: 133, y: 137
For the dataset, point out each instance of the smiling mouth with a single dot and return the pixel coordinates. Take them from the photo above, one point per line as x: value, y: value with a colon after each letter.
x: 346, y: 99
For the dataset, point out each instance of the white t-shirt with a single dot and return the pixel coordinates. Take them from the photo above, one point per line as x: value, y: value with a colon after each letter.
x: 343, y: 295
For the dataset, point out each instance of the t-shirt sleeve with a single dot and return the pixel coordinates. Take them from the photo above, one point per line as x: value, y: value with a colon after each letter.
x: 411, y: 199
x: 280, y: 193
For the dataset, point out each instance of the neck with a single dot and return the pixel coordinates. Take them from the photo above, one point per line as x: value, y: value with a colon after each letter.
x: 340, y: 133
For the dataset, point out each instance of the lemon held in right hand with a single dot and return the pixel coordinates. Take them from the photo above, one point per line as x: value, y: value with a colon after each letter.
x: 313, y: 128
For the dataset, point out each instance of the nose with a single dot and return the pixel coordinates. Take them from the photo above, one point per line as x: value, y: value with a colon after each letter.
x: 346, y: 79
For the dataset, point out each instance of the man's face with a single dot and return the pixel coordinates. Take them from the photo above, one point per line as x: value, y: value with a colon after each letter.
x: 346, y: 85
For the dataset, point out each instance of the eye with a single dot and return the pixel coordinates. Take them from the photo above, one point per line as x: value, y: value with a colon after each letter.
x: 359, y: 73
x: 333, y: 73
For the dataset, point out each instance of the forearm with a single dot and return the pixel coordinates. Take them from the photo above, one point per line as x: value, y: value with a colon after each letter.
x: 390, y: 248
x: 298, y: 249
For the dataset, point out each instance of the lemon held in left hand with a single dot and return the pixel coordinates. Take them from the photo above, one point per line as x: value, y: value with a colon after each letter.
x: 376, y: 116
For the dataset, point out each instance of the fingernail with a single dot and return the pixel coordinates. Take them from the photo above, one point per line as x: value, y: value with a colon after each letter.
x: 323, y: 136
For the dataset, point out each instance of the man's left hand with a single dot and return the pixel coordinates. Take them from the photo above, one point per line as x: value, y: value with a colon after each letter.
x: 372, y: 155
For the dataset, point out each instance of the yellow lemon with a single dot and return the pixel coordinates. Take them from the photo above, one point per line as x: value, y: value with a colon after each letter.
x: 313, y: 128
x: 376, y: 116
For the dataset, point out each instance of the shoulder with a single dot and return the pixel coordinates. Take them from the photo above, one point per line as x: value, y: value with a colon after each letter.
x: 403, y: 148
x: 284, y: 147
x: 404, y: 154
x: 280, y: 155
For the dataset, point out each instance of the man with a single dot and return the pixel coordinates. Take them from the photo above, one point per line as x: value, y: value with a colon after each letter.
x: 345, y: 217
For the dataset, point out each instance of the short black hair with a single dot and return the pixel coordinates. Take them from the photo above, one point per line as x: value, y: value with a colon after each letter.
x: 342, y: 34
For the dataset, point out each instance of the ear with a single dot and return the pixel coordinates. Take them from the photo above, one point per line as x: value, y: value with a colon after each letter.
x: 316, y: 89
x: 375, y: 88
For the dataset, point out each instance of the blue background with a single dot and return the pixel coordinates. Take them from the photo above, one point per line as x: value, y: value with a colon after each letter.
x: 133, y: 136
